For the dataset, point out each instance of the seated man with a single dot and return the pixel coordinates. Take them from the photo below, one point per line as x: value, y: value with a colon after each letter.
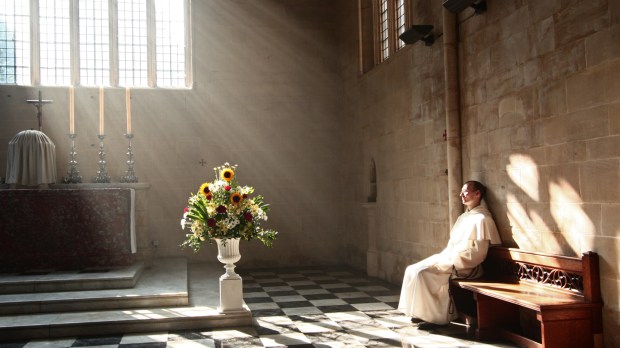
x: 424, y: 294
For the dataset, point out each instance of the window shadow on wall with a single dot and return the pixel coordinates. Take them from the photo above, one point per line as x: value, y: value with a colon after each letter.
x: 546, y: 212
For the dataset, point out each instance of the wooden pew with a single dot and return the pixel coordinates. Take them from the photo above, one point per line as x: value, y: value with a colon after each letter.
x: 534, y: 299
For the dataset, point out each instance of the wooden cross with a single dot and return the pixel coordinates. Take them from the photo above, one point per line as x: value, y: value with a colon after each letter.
x: 38, y: 103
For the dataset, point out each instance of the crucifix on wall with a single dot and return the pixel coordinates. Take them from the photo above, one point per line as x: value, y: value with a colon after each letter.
x: 38, y: 103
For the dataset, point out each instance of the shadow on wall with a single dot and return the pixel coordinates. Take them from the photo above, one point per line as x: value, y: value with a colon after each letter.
x: 548, y: 214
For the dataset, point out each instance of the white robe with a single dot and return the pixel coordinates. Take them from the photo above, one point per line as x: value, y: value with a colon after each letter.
x: 424, y: 292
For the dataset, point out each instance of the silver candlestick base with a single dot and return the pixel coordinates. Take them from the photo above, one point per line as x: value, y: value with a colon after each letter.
x: 130, y: 175
x: 102, y: 175
x: 73, y: 175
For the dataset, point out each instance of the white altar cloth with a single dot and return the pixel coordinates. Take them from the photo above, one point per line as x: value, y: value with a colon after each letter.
x: 31, y: 159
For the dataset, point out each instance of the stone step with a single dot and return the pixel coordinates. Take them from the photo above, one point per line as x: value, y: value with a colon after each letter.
x: 200, y: 313
x: 95, y: 279
x: 54, y: 325
x: 152, y: 290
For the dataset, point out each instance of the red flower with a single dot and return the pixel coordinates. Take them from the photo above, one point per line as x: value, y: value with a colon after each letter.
x: 209, y: 196
x: 245, y: 196
x: 211, y: 222
x: 185, y: 210
x: 227, y: 188
x: 248, y: 216
x: 221, y: 209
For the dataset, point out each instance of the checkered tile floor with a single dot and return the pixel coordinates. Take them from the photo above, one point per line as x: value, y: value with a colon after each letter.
x: 310, y: 307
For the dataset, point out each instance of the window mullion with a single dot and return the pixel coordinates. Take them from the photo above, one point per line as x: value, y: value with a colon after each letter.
x: 35, y: 46
x: 376, y: 31
x: 392, y: 37
x: 113, y: 28
x: 75, y: 42
x: 151, y: 47
x: 360, y: 41
x: 188, y: 44
x: 408, y: 13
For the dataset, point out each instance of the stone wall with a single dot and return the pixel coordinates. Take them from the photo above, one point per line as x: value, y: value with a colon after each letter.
x: 395, y: 116
x: 541, y: 128
x: 540, y: 123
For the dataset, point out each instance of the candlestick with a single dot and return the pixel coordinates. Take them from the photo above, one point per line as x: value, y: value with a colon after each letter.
x: 101, y: 130
x: 102, y: 175
x: 128, y: 107
x: 73, y: 176
x: 130, y: 175
x: 71, y: 110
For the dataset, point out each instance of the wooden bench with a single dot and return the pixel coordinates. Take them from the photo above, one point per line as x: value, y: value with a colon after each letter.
x: 534, y: 299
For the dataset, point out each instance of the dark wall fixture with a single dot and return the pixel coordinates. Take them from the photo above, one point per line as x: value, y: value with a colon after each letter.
x: 457, y: 6
x: 417, y: 33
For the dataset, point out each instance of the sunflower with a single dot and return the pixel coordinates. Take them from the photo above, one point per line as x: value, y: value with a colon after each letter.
x: 228, y: 174
x: 236, y: 198
x: 204, y: 189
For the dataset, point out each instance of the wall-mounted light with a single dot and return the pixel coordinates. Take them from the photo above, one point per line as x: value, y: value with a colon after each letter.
x: 457, y: 6
x: 417, y: 33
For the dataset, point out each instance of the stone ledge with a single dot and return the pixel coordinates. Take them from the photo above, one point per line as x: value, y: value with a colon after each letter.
x: 135, y: 185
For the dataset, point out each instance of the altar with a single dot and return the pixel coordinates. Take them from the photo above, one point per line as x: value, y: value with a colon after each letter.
x: 66, y: 228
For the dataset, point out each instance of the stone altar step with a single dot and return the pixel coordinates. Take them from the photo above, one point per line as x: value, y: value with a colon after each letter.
x: 200, y: 313
x: 152, y: 290
x: 95, y: 279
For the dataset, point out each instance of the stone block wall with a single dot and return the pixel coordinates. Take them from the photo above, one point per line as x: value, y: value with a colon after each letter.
x: 395, y: 115
x: 539, y: 113
x: 552, y: 160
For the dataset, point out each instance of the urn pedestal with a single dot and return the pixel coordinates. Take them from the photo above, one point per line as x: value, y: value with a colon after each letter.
x: 231, y: 284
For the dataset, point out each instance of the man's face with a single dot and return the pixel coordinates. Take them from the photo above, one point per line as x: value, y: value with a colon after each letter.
x: 469, y: 197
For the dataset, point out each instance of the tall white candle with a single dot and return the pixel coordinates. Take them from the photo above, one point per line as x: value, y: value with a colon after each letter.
x: 128, y: 107
x: 101, y: 111
x: 71, y: 110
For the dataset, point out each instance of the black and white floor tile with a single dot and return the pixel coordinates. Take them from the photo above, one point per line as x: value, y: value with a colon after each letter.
x: 307, y: 307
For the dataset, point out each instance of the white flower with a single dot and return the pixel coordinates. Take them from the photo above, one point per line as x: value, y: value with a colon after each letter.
x: 230, y: 222
x: 197, y: 228
x: 217, y: 185
x: 260, y: 214
x: 247, y: 190
x: 211, y: 208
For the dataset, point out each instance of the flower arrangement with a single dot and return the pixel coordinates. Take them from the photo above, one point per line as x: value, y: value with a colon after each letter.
x: 222, y: 209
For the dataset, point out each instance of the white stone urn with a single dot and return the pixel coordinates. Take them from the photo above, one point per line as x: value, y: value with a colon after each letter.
x: 228, y: 254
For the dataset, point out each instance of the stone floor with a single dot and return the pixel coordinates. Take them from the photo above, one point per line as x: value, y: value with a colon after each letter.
x: 303, y: 307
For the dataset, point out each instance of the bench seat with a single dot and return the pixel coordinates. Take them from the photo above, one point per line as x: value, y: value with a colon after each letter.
x: 524, y: 295
x: 534, y: 299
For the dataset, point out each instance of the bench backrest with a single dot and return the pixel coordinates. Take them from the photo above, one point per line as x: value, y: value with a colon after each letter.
x: 564, y: 273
